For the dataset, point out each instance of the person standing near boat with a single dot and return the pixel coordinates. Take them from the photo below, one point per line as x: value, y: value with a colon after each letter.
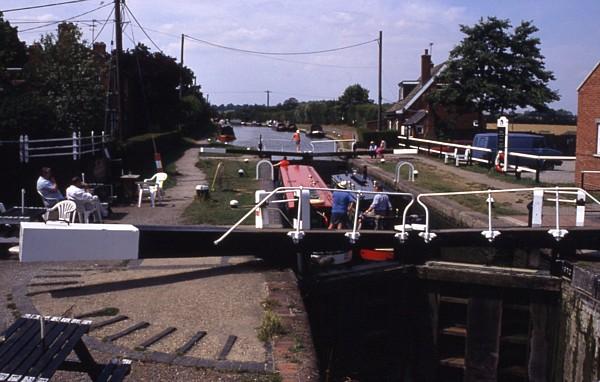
x: 296, y: 139
x: 372, y: 150
x: 341, y: 206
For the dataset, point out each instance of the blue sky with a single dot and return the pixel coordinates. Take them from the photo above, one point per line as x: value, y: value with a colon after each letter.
x: 569, y: 31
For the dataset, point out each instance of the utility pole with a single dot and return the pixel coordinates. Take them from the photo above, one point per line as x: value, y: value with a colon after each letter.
x: 379, y: 127
x: 268, y: 93
x: 119, y: 88
x: 181, y: 69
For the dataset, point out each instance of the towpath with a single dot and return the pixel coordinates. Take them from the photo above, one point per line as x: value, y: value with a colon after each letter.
x: 169, y: 211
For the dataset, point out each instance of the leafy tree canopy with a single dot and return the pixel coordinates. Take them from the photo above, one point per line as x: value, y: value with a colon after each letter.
x: 496, y: 69
x: 354, y: 95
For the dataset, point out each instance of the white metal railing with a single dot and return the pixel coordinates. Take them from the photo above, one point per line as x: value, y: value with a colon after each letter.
x: 482, y: 149
x: 75, y: 146
x: 490, y: 234
x: 297, y: 234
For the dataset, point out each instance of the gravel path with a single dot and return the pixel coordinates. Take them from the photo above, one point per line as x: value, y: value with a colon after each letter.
x: 221, y: 296
x: 176, y: 199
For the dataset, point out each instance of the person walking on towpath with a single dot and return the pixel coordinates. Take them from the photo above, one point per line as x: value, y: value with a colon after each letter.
x: 296, y: 139
x: 341, y: 206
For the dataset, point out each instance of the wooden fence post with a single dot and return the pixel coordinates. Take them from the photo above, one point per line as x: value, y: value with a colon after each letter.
x: 74, y: 146
x: 26, y: 148
x: 21, y: 149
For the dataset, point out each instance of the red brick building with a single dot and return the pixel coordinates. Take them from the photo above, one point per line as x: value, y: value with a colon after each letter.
x: 588, y: 130
x: 414, y: 115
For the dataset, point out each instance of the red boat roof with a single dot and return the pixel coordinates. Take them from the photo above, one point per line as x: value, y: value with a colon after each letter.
x: 296, y: 175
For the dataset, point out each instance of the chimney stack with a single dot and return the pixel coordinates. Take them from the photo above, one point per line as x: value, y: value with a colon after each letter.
x: 426, y: 66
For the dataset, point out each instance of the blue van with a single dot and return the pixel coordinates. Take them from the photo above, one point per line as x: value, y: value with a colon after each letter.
x: 531, y: 144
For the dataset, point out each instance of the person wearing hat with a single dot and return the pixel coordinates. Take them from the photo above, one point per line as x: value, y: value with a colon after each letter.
x: 341, y: 206
x: 296, y: 139
x: 372, y: 150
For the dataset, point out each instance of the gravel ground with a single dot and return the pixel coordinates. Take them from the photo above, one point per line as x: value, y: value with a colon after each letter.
x: 221, y: 296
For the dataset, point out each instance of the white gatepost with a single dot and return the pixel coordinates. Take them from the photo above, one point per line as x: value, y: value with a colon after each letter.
x: 74, y: 146
x: 21, y: 149
x: 304, y: 206
x: 580, y: 214
x: 536, y: 207
x: 261, y: 216
x: 26, y: 148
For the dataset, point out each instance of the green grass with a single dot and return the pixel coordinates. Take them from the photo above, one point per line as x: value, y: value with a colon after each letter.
x: 433, y: 180
x: 228, y: 185
x: 270, y: 327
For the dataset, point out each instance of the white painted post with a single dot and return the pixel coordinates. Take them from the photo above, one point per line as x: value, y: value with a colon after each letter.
x: 21, y: 149
x: 92, y: 139
x: 580, y: 214
x: 26, y: 148
x: 503, y: 124
x: 261, y: 217
x: 536, y: 207
x: 303, y: 221
x: 74, y: 146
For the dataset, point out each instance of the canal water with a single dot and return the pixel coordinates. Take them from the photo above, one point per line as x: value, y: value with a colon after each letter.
x: 249, y: 136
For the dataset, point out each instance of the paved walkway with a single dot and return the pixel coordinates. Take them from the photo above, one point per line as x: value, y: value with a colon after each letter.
x: 176, y: 199
x: 222, y: 297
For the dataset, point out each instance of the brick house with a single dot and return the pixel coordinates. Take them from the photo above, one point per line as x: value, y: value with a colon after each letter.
x: 414, y: 115
x: 588, y: 129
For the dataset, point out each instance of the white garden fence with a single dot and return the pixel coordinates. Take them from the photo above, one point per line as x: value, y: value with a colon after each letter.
x: 75, y: 146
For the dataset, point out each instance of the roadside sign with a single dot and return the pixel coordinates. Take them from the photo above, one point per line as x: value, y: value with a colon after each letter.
x: 502, y: 124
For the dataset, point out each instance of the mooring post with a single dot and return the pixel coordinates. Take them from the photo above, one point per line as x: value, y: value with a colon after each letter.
x: 484, y: 316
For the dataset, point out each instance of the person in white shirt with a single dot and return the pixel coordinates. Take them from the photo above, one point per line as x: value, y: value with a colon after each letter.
x: 76, y: 191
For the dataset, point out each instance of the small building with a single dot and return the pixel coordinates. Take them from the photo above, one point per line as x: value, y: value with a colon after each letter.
x: 588, y: 130
x: 415, y: 115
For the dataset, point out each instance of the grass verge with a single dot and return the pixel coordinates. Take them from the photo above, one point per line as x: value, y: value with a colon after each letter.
x: 228, y: 185
x: 433, y: 179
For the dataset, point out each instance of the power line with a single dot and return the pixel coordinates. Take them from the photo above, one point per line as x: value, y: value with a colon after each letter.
x: 142, y: 28
x: 281, y: 53
x: 69, y: 19
x: 42, y: 6
x: 103, y: 25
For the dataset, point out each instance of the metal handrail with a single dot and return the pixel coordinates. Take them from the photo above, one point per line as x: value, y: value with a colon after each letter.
x: 428, y: 236
x: 297, y: 234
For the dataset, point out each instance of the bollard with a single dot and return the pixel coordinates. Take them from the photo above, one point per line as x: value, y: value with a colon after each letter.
x: 202, y: 191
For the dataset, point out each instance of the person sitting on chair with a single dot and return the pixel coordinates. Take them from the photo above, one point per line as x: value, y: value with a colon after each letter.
x: 372, y: 150
x: 77, y: 192
x: 46, y: 187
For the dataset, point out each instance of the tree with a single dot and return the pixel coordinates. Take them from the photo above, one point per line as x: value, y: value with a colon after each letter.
x: 69, y: 77
x: 290, y: 103
x: 493, y: 70
x: 353, y: 95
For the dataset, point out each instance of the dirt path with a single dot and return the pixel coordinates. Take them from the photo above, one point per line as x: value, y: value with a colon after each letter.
x: 176, y: 199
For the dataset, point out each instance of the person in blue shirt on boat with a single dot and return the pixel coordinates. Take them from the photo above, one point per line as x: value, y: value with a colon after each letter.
x: 46, y: 187
x: 380, y: 207
x: 341, y: 206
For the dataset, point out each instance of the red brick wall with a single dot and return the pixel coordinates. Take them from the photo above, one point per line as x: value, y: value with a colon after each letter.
x: 588, y: 116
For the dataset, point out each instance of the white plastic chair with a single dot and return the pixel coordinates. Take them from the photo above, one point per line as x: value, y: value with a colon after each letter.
x: 48, y: 202
x: 66, y: 211
x: 152, y: 187
x: 463, y: 158
x: 85, y: 208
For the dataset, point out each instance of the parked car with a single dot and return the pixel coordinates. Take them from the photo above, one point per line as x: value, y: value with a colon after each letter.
x: 518, y: 143
x: 316, y: 131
